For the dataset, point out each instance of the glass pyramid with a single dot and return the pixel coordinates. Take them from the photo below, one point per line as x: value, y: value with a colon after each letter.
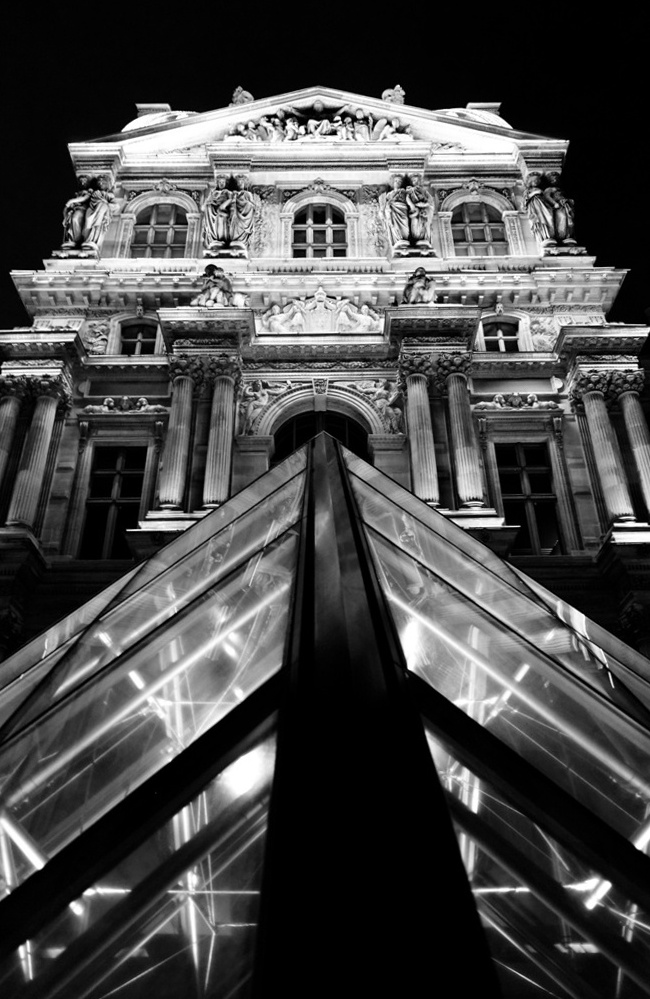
x: 325, y: 742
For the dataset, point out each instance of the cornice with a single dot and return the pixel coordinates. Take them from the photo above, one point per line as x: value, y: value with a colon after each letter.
x: 495, y: 365
x: 430, y: 322
x: 582, y: 341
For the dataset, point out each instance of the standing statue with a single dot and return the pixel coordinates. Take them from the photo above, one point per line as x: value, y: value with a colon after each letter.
x: 216, y: 217
x: 228, y: 216
x: 420, y: 209
x: 419, y: 289
x: 217, y: 291
x: 74, y: 214
x: 561, y: 210
x: 396, y: 213
x: 541, y: 220
x: 98, y: 213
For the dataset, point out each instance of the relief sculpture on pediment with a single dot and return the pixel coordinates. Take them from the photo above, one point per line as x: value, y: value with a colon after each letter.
x: 320, y: 313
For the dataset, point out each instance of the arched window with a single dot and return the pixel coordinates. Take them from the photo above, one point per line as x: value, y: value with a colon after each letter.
x: 137, y: 337
x: 319, y: 231
x: 160, y: 231
x: 301, y: 428
x: 477, y: 229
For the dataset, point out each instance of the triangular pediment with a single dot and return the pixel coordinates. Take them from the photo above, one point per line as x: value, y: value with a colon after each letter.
x: 319, y: 114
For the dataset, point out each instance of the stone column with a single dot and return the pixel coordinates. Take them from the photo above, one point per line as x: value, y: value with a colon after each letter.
x: 627, y: 385
x: 12, y: 391
x: 29, y: 480
x: 186, y: 374
x: 451, y: 375
x: 415, y: 370
x: 591, y: 387
x: 226, y: 374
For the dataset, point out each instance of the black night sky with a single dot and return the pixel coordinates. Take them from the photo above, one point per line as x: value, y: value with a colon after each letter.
x: 74, y: 75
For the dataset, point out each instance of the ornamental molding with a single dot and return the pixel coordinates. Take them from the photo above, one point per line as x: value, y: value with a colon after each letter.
x: 515, y: 402
x: 577, y: 340
x: 451, y: 364
x: 410, y: 365
x: 13, y: 386
x: 342, y: 365
x: 309, y: 351
x: 224, y: 366
x: 125, y: 406
x: 484, y: 364
x: 187, y: 367
x: 611, y: 384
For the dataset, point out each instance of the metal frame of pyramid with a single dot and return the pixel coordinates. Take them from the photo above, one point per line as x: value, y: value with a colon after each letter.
x: 451, y: 763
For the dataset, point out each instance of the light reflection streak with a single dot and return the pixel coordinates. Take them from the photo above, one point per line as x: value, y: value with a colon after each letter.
x: 32, y: 783
x: 559, y: 724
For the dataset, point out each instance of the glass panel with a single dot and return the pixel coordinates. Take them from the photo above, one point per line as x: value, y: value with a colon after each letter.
x: 161, y: 236
x: 338, y: 235
x: 319, y: 236
x: 164, y: 214
x: 193, y: 929
x: 319, y: 252
x: 474, y: 212
x: 319, y: 215
x: 338, y: 251
x: 301, y: 217
x: 297, y: 252
x: 115, y: 731
x: 144, y: 217
x: 300, y: 236
x: 140, y: 236
x: 139, y: 251
x: 502, y: 890
x: 538, y: 687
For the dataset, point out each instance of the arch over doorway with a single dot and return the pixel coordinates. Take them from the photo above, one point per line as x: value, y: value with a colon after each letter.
x: 301, y: 427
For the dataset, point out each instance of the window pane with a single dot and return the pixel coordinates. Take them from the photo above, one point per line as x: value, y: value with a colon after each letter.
x: 144, y: 218
x: 547, y: 528
x: 319, y: 236
x: 161, y: 235
x: 319, y: 215
x: 139, y: 251
x: 140, y: 235
x: 510, y: 482
x: 474, y: 212
x: 300, y: 235
x: 540, y: 482
x: 338, y: 235
x: 338, y: 251
x: 158, y: 251
x: 163, y: 214
x: 301, y: 216
x: 318, y: 252
x: 298, y: 252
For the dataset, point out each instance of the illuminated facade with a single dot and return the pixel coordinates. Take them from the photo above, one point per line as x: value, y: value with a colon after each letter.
x: 230, y: 284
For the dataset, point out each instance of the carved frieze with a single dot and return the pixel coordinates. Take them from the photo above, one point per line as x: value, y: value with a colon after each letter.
x: 317, y: 124
x: 514, y: 401
x: 256, y: 396
x: 320, y: 313
x: 386, y: 399
x: 124, y: 406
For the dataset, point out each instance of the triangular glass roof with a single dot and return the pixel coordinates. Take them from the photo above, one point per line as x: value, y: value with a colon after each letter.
x: 384, y: 645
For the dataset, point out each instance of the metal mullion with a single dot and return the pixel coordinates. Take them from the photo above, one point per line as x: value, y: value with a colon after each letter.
x: 543, y: 801
x: 98, y: 849
x: 544, y: 887
x: 359, y: 834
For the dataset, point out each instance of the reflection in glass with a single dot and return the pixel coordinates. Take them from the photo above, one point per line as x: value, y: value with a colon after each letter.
x: 107, y: 736
x: 178, y: 916
x: 514, y: 906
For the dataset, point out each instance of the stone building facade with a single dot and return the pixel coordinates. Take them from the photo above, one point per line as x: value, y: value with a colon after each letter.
x: 231, y: 282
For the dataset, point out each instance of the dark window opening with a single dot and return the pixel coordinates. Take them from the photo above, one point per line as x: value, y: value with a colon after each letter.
x: 477, y: 230
x: 138, y: 338
x: 528, y: 497
x: 501, y: 337
x: 319, y: 231
x: 302, y: 428
x: 113, y: 504
x: 160, y: 231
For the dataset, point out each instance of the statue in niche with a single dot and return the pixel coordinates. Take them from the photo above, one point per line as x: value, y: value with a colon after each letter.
x: 229, y: 216
x: 408, y: 213
x: 538, y: 210
x: 255, y: 397
x: 87, y: 214
x: 217, y: 291
x: 419, y: 289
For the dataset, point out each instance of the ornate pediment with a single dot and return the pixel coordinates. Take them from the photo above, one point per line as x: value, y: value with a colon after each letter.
x: 320, y: 313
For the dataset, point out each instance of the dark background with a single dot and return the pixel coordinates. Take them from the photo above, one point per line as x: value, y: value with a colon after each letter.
x: 76, y: 74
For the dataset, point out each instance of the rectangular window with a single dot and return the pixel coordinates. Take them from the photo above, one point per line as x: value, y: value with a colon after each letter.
x: 528, y: 497
x: 113, y: 504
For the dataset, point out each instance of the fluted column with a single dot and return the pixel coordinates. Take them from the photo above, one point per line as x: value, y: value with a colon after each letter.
x: 226, y: 374
x: 591, y: 387
x: 627, y: 385
x: 186, y: 373
x: 415, y: 370
x: 12, y: 391
x: 31, y: 470
x: 451, y: 374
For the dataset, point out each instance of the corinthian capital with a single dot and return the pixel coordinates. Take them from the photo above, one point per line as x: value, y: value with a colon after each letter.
x: 414, y: 364
x: 225, y: 366
x: 50, y: 388
x: 13, y: 385
x: 188, y: 367
x: 451, y: 364
x: 626, y: 381
x: 590, y: 381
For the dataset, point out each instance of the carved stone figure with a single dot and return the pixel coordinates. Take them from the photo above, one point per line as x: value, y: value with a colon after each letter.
x: 515, y: 401
x: 419, y: 289
x: 255, y: 397
x: 241, y: 96
x: 363, y: 320
x: 98, y: 213
x: 95, y: 337
x: 385, y: 395
x: 395, y: 95
x: 347, y: 123
x: 144, y: 406
x: 289, y: 319
x: 87, y: 214
x: 420, y: 209
x: 229, y: 215
x: 561, y: 210
x: 538, y: 210
x: 396, y: 213
x: 408, y: 213
x: 217, y: 291
x: 74, y: 214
